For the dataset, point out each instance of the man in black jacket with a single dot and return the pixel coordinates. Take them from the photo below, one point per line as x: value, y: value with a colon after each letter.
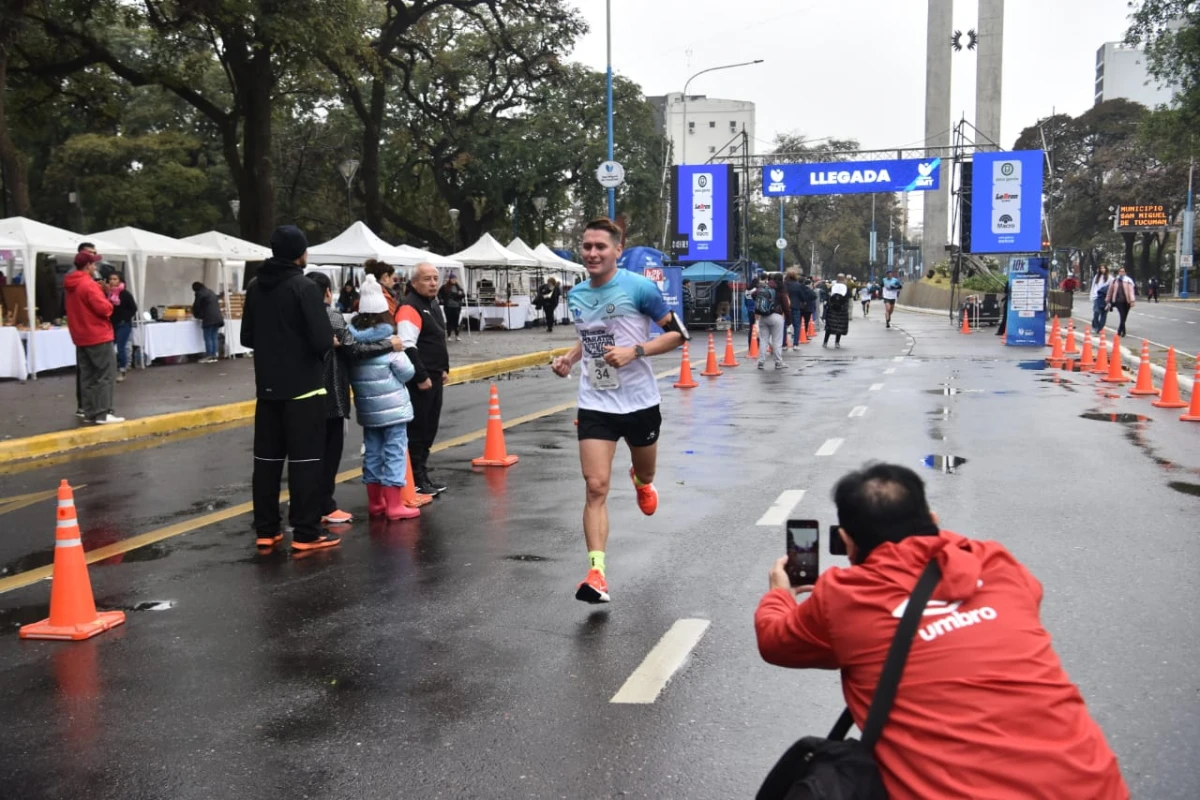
x: 207, y: 309
x: 422, y: 327
x: 285, y: 323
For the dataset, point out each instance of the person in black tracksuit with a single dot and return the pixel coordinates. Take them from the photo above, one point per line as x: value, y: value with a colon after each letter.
x: 422, y: 327
x: 284, y: 322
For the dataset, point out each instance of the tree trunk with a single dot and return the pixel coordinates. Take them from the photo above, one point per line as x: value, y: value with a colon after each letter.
x: 12, y: 161
x: 257, y: 187
x: 1144, y: 262
x: 372, y: 131
x: 1128, y: 237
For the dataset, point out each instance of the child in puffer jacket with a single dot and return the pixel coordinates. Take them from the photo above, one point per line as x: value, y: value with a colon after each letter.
x: 384, y: 408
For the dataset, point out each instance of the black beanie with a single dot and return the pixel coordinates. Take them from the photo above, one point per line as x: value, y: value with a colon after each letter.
x: 288, y: 242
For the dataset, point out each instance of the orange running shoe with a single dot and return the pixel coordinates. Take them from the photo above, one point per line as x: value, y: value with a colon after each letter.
x: 647, y: 496
x: 338, y: 517
x: 268, y: 541
x: 594, y: 588
x: 320, y: 543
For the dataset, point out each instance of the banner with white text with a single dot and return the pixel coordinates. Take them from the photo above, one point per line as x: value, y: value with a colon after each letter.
x: 852, y: 177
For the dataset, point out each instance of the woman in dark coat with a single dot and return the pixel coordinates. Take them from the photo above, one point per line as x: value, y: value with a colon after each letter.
x: 837, y: 318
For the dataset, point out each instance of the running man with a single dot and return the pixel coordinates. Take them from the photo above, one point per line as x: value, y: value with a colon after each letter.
x: 618, y: 393
x: 891, y: 293
x: 864, y: 296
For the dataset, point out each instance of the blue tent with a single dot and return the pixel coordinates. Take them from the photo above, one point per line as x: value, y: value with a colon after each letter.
x: 638, y: 258
x: 707, y: 271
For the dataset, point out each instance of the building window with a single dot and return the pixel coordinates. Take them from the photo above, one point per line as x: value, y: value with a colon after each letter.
x: 733, y: 126
x: 712, y: 124
x: 733, y: 150
x: 712, y: 149
x: 691, y: 126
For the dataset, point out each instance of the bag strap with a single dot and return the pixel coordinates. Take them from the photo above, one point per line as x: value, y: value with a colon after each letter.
x: 893, y: 665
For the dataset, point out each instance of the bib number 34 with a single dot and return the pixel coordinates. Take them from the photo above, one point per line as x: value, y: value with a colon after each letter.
x: 603, y: 375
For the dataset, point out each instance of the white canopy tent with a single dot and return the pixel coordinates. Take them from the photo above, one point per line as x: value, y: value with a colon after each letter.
x: 34, y: 238
x: 487, y: 253
x: 167, y: 284
x: 444, y: 264
x: 548, y: 262
x: 570, y: 267
x: 235, y: 253
x: 355, y: 245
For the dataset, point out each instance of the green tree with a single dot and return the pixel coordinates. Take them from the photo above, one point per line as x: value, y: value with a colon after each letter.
x: 1170, y: 32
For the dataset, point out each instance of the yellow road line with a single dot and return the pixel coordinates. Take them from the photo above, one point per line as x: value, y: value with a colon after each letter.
x: 22, y: 500
x: 32, y: 576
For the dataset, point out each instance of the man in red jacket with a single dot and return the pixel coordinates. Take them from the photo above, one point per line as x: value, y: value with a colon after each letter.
x: 984, y: 708
x: 88, y: 319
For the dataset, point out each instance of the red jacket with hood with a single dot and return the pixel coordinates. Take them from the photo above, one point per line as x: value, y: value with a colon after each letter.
x: 88, y: 310
x: 984, y: 708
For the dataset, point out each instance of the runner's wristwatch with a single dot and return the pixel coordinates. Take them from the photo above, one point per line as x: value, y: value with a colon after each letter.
x: 639, y: 351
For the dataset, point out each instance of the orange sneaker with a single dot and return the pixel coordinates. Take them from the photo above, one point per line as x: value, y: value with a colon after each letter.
x: 320, y: 543
x: 594, y: 588
x: 338, y: 517
x: 647, y: 496
x: 268, y: 541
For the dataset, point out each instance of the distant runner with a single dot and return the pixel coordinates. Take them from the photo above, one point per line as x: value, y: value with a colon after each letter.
x: 618, y: 393
x: 891, y: 293
x: 864, y: 296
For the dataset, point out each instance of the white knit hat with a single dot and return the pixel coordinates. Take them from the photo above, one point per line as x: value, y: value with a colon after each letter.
x: 370, y: 297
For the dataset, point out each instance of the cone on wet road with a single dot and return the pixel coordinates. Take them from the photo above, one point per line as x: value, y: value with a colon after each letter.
x: 812, y: 328
x: 966, y: 326
x: 1088, y: 359
x: 494, y: 452
x: 1116, y: 371
x: 1193, y: 413
x: 686, y: 381
x: 408, y: 492
x: 1145, y: 384
x: 753, y: 341
x: 711, y: 370
x: 730, y: 357
x: 1055, y: 333
x: 1071, y: 348
x: 1101, y: 367
x: 1056, y: 359
x: 73, y: 614
x: 1170, y: 390
x: 804, y: 334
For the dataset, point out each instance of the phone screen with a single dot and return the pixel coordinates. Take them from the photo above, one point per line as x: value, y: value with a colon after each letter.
x: 803, y: 564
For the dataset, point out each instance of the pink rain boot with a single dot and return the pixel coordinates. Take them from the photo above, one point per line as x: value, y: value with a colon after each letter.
x: 396, y: 508
x: 376, y: 502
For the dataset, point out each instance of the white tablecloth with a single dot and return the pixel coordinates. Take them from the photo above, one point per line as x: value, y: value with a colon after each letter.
x: 52, y: 349
x: 511, y: 318
x: 233, y: 338
x: 164, y: 339
x: 12, y: 355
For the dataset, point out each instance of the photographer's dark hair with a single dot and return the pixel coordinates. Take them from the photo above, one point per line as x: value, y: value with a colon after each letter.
x: 364, y: 322
x: 197, y: 286
x: 322, y: 281
x: 378, y: 268
x: 882, y: 503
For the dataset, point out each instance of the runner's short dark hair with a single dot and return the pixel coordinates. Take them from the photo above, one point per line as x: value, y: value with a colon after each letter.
x: 882, y: 503
x: 607, y: 225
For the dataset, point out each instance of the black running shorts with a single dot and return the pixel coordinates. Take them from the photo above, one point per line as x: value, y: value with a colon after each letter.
x: 637, y: 428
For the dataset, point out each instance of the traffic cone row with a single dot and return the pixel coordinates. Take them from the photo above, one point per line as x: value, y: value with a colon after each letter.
x: 1170, y: 391
x: 1145, y: 386
x: 73, y: 614
x: 1109, y: 365
x: 1116, y: 370
x: 1193, y: 413
x: 1101, y: 367
x: 1071, y: 348
x: 1087, y: 360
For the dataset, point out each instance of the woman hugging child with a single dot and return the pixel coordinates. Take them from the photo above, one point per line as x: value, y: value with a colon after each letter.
x: 383, y: 405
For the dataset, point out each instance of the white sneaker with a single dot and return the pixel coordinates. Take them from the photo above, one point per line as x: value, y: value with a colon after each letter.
x: 109, y: 419
x: 121, y: 376
x: 780, y: 365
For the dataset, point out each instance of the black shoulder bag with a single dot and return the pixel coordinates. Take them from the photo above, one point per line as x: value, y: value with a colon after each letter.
x: 837, y: 768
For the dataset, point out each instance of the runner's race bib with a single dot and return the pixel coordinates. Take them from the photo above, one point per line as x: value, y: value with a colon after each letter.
x: 603, y: 376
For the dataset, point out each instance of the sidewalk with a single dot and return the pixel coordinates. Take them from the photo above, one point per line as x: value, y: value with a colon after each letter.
x: 47, y: 405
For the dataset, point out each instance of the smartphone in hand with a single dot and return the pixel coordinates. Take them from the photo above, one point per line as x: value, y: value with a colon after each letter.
x: 803, y: 564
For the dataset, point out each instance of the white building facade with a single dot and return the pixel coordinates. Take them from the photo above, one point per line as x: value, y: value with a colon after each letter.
x: 704, y: 127
x: 1121, y: 72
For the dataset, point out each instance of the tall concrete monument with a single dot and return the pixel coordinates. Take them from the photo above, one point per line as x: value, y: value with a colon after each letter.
x: 938, y: 70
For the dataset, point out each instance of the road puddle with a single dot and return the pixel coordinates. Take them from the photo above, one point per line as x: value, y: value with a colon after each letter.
x: 1124, y: 419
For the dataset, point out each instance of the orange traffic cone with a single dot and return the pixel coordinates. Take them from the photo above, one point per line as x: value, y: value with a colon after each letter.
x: 753, y: 341
x: 686, y: 381
x: 73, y: 614
x: 804, y: 334
x: 1088, y: 360
x: 1056, y: 358
x: 1116, y: 371
x: 1072, y: 348
x: 812, y: 328
x: 1193, y: 413
x: 966, y: 326
x: 1170, y: 392
x: 711, y: 370
x: 730, y: 358
x: 1054, y: 332
x: 1101, y: 367
x: 1145, y: 385
x: 494, y: 452
x: 408, y: 492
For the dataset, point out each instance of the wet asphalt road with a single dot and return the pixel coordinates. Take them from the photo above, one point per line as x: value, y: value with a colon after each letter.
x: 1173, y: 324
x: 445, y: 657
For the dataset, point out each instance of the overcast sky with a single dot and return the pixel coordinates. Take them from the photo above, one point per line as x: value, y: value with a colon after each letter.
x: 854, y: 68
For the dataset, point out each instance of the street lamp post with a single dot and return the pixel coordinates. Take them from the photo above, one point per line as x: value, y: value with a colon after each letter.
x: 348, y: 169
x: 612, y: 191
x: 454, y: 212
x: 781, y: 233
x: 1189, y: 227
x: 683, y: 147
x: 539, y: 205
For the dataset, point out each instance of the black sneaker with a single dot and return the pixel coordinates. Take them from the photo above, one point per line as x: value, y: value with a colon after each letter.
x: 320, y: 543
x: 427, y: 489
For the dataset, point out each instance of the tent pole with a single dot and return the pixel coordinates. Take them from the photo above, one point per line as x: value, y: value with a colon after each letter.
x: 30, y: 256
x: 228, y: 308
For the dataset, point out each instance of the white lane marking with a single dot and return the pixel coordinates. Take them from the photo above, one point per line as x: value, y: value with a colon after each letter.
x: 1191, y: 322
x: 890, y: 371
x: 661, y: 663
x: 830, y: 447
x: 858, y: 411
x: 875, y: 387
x: 779, y: 511
x: 898, y: 358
